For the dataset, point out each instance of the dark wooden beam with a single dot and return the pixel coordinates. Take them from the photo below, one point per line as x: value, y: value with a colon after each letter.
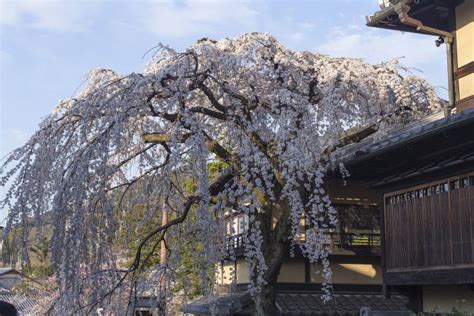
x: 307, y: 271
x: 414, y: 294
x: 466, y: 103
x: 316, y: 288
x: 385, y: 289
x: 464, y: 70
x: 439, y: 276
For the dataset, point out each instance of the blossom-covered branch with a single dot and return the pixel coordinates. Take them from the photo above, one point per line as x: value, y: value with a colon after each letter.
x: 272, y: 116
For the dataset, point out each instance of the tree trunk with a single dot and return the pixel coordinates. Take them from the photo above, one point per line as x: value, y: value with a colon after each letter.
x: 274, y: 250
x: 275, y: 247
x: 265, y: 301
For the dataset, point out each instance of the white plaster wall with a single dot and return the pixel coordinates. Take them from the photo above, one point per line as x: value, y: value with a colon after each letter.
x: 465, y: 32
x: 292, y: 272
x: 349, y: 273
x: 442, y: 298
x: 225, y: 273
x: 242, y: 271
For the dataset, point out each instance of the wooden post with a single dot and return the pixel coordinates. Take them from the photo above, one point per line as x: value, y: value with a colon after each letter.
x: 385, y: 289
x: 164, y: 221
x: 163, y: 258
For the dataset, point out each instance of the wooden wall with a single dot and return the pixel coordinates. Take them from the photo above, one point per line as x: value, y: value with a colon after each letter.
x: 430, y: 226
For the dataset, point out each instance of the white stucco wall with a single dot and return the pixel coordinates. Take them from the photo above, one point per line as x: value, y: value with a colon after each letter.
x: 443, y: 298
x: 293, y: 272
x: 350, y: 273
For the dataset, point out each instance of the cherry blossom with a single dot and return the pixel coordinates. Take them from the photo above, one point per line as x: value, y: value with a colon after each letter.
x: 273, y: 116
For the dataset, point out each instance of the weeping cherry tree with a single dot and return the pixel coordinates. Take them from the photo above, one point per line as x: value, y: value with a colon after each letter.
x: 275, y: 118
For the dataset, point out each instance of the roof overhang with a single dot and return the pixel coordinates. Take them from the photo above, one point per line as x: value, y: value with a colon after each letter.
x: 432, y: 13
x: 420, y: 149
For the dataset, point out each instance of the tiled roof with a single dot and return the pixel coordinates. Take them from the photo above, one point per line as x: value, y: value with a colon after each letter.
x: 432, y: 124
x: 26, y: 305
x: 8, y: 270
x: 341, y: 304
x: 226, y: 304
x: 301, y: 304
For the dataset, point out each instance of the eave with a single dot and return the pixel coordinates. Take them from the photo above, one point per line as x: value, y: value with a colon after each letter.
x: 433, y: 13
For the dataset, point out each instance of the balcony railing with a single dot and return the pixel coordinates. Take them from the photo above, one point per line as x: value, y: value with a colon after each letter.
x: 360, y: 242
x: 235, y: 244
x: 355, y: 239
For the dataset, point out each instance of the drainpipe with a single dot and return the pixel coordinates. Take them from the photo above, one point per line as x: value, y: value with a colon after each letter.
x: 402, y: 10
x: 449, y: 53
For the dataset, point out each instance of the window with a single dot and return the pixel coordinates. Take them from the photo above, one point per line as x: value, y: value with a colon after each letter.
x: 143, y: 312
x: 237, y: 224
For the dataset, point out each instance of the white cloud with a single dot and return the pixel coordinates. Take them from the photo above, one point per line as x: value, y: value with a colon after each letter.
x: 297, y: 36
x: 55, y: 15
x: 198, y: 17
x: 376, y: 47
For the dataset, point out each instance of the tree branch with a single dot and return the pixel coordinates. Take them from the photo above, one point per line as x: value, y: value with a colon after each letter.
x: 214, y: 188
x: 211, y: 97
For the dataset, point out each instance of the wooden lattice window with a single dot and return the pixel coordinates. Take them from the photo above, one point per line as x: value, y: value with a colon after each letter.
x: 430, y: 225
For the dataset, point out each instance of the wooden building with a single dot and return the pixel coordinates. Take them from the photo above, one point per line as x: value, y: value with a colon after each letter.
x: 424, y: 176
x: 424, y: 173
x: 355, y: 256
x: 355, y: 261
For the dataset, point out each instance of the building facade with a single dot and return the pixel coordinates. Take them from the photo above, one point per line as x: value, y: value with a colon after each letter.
x: 424, y: 174
x: 355, y: 249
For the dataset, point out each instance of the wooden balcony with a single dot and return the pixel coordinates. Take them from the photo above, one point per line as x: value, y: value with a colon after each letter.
x: 361, y: 242
x: 366, y: 243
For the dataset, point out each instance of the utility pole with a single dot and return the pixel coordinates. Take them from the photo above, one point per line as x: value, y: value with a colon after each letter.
x: 163, y: 258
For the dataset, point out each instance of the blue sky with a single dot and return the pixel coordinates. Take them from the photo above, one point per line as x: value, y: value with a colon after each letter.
x: 48, y: 46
